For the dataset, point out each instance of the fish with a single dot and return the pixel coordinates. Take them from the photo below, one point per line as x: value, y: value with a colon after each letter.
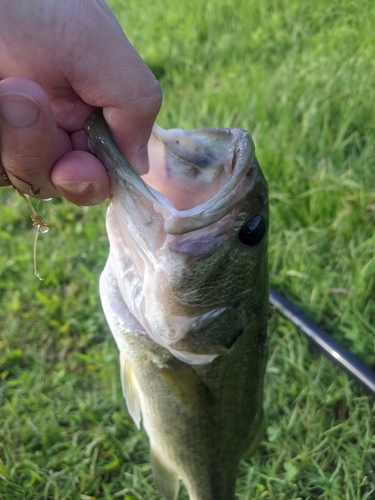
x: 185, y: 294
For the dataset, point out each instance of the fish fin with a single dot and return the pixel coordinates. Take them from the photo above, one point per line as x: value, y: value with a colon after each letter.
x: 183, y: 381
x: 256, y: 440
x: 167, y: 482
x: 130, y: 390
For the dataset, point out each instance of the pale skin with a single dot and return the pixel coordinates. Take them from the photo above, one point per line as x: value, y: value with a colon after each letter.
x: 59, y: 61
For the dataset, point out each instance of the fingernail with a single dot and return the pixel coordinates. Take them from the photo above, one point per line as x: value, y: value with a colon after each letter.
x: 19, y: 110
x: 73, y: 187
x: 142, y: 165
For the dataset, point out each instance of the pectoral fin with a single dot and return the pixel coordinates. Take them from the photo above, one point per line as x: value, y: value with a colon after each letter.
x: 130, y: 390
x: 167, y: 482
x: 186, y: 383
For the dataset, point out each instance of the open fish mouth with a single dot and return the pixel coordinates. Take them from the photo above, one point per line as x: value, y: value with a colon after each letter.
x: 196, y: 177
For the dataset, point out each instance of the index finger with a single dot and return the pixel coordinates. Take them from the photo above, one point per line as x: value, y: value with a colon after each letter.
x: 107, y: 72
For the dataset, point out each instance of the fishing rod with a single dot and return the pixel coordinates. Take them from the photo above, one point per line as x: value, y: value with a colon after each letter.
x: 325, y: 342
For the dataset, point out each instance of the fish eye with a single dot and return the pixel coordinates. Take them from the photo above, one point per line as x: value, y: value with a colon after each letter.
x: 253, y: 232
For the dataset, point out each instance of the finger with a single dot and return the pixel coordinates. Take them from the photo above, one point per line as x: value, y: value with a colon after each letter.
x: 29, y: 138
x: 4, y: 179
x: 122, y: 84
x: 81, y: 178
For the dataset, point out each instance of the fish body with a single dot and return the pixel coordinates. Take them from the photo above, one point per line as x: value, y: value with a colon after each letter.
x: 185, y: 293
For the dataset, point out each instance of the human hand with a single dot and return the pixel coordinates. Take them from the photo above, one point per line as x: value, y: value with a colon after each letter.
x: 59, y: 61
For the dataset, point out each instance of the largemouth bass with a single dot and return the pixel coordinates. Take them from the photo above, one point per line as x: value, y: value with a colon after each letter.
x: 185, y: 293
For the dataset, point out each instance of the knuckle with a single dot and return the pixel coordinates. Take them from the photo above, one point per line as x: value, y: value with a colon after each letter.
x: 147, y: 100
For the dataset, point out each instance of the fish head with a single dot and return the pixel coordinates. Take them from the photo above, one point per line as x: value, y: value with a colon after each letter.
x: 189, y: 238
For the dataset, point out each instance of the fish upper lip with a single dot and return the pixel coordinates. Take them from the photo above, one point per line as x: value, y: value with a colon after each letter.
x: 102, y: 144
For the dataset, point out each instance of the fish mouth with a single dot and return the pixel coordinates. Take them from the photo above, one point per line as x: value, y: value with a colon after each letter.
x: 196, y: 177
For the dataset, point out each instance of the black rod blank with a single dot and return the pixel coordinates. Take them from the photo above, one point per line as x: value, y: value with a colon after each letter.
x: 325, y: 342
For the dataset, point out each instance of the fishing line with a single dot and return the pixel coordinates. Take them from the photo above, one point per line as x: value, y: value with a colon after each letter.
x: 39, y: 224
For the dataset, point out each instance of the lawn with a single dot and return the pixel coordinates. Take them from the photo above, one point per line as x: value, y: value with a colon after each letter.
x: 300, y: 77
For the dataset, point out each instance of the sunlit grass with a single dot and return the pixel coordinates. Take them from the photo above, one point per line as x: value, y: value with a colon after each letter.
x: 300, y: 77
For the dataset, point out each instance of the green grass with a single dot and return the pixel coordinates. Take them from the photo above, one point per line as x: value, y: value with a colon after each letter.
x: 299, y: 75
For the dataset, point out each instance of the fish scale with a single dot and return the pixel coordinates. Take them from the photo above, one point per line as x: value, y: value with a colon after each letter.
x: 185, y: 293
